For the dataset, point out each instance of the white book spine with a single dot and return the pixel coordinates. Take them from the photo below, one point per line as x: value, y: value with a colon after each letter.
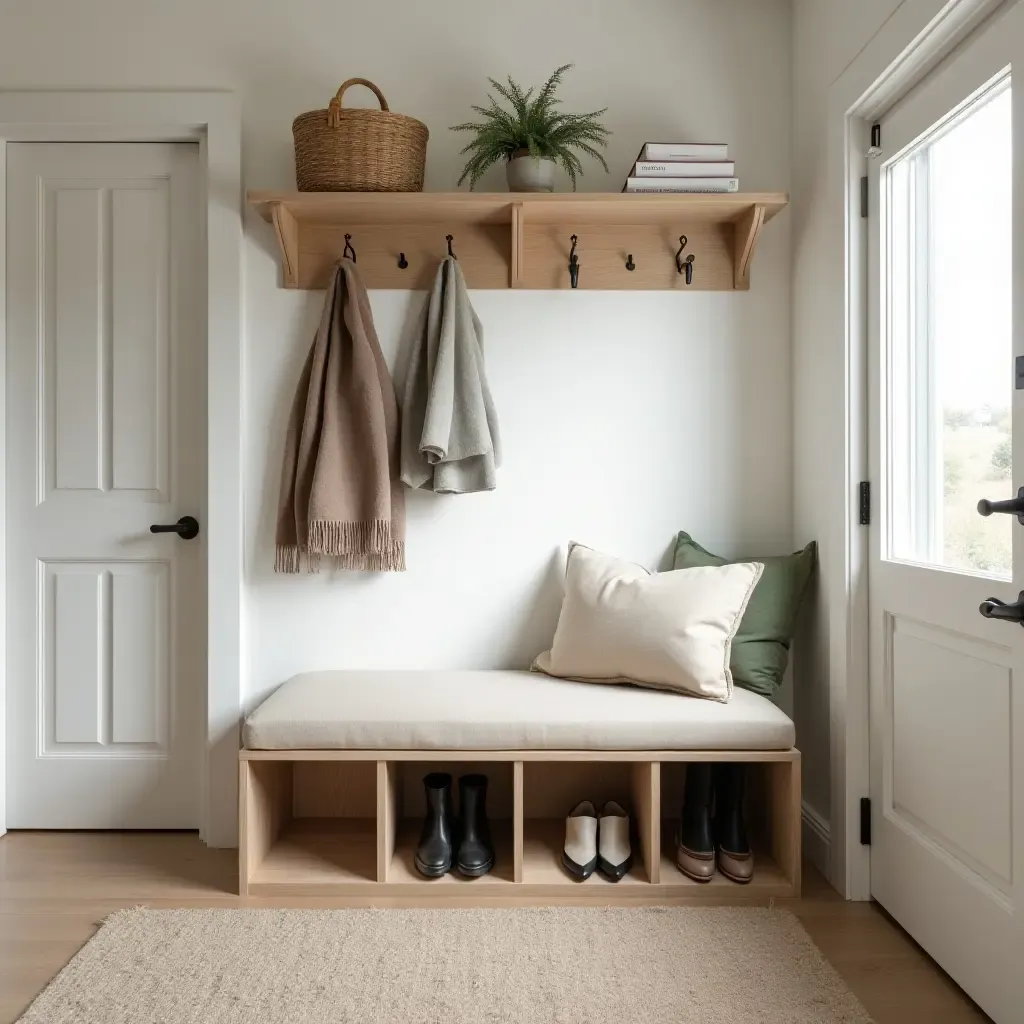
x: 685, y: 151
x: 682, y: 185
x: 683, y: 169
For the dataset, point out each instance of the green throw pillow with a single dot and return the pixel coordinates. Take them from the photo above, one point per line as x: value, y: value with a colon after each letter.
x: 760, y: 649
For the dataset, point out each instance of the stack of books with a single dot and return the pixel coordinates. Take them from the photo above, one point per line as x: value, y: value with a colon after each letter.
x: 683, y: 167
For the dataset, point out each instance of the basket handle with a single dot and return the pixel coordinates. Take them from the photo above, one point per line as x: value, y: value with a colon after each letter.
x: 334, y: 107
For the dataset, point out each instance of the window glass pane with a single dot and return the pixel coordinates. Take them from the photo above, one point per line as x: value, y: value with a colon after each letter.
x: 949, y: 319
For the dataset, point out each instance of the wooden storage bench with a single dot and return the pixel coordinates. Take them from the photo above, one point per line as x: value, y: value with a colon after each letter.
x: 339, y: 813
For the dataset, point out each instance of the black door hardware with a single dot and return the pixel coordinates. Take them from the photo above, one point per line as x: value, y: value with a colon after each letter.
x: 865, y: 503
x: 876, y: 141
x: 574, y: 264
x: 993, y: 608
x: 187, y: 528
x: 684, y: 266
x: 1013, y: 506
x: 349, y: 249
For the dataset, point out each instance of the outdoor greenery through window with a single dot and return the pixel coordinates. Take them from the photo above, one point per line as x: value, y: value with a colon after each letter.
x: 949, y: 329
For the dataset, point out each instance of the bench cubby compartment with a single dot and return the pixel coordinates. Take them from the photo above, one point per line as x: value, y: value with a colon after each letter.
x: 402, y: 803
x: 345, y: 823
x: 308, y: 827
x: 772, y: 806
x: 552, y: 789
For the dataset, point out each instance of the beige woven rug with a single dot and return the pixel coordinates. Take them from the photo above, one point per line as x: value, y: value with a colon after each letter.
x: 535, y: 966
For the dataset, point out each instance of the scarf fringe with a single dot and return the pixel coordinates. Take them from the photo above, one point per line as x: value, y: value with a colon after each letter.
x: 330, y: 537
x: 357, y: 547
x: 287, y: 559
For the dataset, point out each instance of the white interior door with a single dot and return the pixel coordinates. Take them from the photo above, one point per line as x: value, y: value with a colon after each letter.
x: 947, y: 683
x: 106, y: 437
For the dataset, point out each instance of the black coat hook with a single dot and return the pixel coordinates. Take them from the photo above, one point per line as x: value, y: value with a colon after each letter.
x: 679, y: 255
x: 684, y: 266
x: 630, y: 265
x: 402, y: 261
x: 449, y: 239
x: 348, y: 249
x: 574, y: 264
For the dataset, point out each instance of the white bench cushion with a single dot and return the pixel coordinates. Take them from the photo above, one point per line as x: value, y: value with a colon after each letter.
x: 502, y: 710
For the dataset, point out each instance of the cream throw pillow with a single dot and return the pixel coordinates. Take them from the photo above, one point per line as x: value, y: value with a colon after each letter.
x: 669, y: 630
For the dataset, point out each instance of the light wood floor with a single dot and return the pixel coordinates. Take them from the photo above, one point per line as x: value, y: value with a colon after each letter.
x: 56, y: 888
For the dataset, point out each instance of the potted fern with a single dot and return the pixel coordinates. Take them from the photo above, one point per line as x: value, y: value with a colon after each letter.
x: 533, y: 138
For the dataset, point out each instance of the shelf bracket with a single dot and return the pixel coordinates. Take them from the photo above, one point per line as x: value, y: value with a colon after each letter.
x: 516, y: 263
x: 287, y: 230
x: 747, y: 229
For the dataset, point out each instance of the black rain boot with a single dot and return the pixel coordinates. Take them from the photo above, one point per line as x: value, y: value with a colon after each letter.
x: 476, y: 854
x: 735, y: 859
x: 433, y: 857
x: 695, y: 847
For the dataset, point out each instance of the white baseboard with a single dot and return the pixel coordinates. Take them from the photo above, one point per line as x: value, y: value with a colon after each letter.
x: 816, y: 839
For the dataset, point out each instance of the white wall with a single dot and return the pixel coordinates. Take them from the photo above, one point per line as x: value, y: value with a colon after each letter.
x: 626, y: 416
x: 828, y: 35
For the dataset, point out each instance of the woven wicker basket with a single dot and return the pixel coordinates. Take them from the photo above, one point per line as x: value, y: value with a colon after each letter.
x: 356, y: 150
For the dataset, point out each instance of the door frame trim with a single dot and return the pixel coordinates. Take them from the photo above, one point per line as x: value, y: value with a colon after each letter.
x: 913, y: 41
x: 213, y: 120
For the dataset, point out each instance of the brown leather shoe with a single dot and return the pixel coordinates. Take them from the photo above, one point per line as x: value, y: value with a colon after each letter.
x: 696, y: 864
x: 737, y: 867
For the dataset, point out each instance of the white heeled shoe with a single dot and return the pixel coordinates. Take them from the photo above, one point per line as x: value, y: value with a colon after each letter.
x: 614, y: 854
x: 579, y: 854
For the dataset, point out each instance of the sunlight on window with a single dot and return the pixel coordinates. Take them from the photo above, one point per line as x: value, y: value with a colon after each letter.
x: 972, y: 201
x: 950, y: 342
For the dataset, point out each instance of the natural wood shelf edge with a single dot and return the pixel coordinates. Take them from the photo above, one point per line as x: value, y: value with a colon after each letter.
x: 520, y: 240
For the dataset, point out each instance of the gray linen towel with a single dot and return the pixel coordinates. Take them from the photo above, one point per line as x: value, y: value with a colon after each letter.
x: 450, y: 441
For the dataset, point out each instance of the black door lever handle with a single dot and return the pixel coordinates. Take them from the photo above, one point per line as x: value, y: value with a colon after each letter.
x: 993, y: 608
x: 187, y: 527
x: 1013, y: 506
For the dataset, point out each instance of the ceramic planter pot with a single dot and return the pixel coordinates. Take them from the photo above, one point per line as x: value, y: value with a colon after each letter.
x: 530, y: 174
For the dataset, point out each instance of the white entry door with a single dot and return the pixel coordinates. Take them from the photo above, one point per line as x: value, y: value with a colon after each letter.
x: 106, y: 436
x: 946, y: 289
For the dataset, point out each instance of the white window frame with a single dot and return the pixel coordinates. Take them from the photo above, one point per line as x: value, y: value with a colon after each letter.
x: 213, y: 120
x: 912, y: 410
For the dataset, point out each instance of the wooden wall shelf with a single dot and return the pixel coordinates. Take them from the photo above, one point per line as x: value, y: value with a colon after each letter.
x: 509, y: 240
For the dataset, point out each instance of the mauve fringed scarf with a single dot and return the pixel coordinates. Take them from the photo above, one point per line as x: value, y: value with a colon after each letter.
x: 340, y: 492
